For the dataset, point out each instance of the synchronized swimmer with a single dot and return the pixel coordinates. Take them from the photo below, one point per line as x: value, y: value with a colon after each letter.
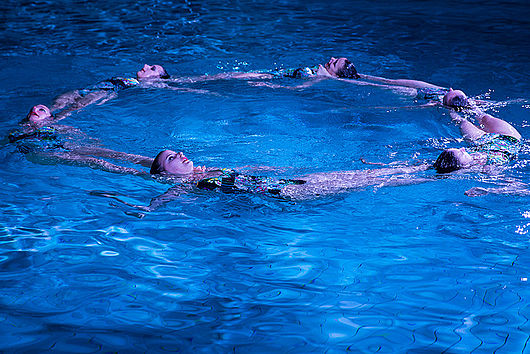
x: 494, y: 143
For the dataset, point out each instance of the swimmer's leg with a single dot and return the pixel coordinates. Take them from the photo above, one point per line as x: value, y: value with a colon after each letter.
x: 491, y: 124
x: 116, y: 155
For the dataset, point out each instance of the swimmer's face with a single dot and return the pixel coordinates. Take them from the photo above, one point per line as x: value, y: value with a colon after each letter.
x: 455, y: 98
x: 334, y: 65
x: 151, y: 72
x: 175, y: 163
x: 39, y: 114
x: 462, y: 156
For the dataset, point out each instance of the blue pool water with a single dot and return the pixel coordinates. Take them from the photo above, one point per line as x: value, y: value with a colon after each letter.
x: 419, y: 268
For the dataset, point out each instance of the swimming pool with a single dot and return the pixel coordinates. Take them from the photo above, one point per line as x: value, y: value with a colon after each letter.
x: 420, y: 268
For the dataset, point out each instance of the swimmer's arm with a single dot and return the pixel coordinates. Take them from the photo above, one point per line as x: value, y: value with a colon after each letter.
x: 223, y: 76
x: 480, y: 191
x: 116, y: 155
x: 99, y: 164
x: 400, y: 90
x: 306, y: 84
x: 72, y: 102
x: 420, y: 166
x: 400, y: 82
x: 396, y: 181
x: 164, y: 85
x: 514, y: 188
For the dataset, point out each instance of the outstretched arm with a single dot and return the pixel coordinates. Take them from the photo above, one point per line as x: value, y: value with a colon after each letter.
x: 73, y: 101
x: 164, y: 85
x: 304, y: 85
x: 400, y: 90
x: 223, y: 76
x: 514, y: 188
x: 400, y: 82
x: 92, y: 162
x: 116, y: 155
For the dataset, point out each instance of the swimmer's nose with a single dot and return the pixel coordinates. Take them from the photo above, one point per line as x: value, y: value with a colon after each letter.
x: 146, y: 67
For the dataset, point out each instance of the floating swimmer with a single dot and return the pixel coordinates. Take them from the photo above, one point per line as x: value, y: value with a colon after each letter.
x: 149, y: 76
x: 42, y: 140
x: 175, y: 168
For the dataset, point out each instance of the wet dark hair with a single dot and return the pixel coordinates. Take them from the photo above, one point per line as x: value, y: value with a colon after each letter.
x: 348, y: 71
x: 446, y: 162
x: 456, y: 102
x: 165, y: 75
x: 156, y: 166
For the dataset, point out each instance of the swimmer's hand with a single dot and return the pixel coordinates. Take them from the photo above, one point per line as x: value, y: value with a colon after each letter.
x: 321, y: 71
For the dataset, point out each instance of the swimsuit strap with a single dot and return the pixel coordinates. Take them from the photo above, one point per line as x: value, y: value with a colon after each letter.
x: 124, y: 82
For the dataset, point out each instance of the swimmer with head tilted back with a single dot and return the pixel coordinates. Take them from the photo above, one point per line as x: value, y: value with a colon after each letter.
x: 148, y: 76
x: 42, y: 140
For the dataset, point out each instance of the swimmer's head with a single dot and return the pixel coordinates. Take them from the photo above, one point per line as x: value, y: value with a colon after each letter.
x: 452, y: 159
x: 152, y: 72
x: 455, y: 99
x: 171, y: 162
x: 39, y: 115
x: 341, y: 67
